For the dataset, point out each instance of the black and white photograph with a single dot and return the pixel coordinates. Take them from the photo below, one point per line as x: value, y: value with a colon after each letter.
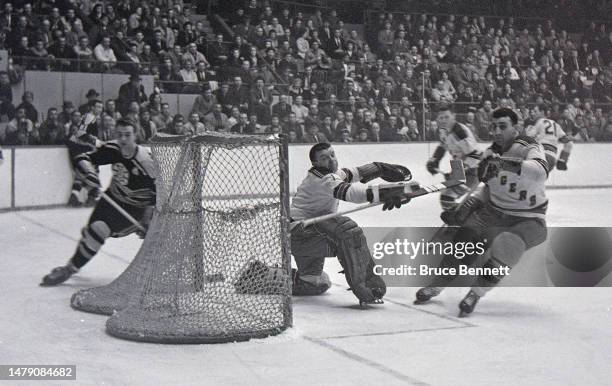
x: 305, y: 192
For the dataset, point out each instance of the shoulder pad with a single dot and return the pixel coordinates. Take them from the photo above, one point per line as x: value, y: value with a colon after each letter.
x: 459, y: 130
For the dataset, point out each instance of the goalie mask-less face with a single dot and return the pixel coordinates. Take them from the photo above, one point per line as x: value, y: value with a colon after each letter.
x: 326, y: 159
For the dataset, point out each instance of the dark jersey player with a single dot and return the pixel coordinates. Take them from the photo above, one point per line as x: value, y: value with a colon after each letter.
x: 132, y: 187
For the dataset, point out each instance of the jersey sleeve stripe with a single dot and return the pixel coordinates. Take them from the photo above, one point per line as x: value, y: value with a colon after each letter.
x: 544, y: 164
x: 340, y: 190
x: 349, y: 175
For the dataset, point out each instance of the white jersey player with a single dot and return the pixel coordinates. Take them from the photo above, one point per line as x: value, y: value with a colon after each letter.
x: 507, y: 214
x: 550, y: 134
x: 461, y: 144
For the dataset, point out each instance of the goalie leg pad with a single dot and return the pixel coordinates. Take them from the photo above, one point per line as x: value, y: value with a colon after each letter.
x: 354, y: 256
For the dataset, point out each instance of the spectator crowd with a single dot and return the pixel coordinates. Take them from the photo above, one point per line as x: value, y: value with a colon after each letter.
x: 307, y: 75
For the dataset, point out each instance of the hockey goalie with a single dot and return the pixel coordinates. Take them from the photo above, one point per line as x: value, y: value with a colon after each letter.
x: 319, y: 194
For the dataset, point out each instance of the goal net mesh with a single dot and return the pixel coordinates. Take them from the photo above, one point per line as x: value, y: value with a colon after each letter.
x: 215, y: 264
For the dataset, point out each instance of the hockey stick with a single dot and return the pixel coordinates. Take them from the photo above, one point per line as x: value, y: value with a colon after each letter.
x: 123, y: 212
x: 457, y: 178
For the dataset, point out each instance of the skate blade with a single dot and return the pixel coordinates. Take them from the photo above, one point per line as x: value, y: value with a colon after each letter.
x: 420, y: 302
x: 464, y: 314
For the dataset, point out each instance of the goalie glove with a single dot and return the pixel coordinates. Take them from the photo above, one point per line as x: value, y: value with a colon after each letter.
x: 490, y: 167
x: 388, y: 172
x: 461, y: 214
x: 392, y: 195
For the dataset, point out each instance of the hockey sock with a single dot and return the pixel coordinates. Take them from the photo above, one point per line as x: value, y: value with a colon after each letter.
x: 450, y: 261
x: 506, y: 250
x: 93, y: 236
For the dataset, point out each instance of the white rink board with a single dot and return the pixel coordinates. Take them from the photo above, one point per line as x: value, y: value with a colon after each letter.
x: 6, y: 180
x: 43, y: 175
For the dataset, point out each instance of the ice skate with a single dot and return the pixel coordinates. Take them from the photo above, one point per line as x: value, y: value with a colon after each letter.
x: 59, y: 275
x: 426, y: 293
x: 467, y: 305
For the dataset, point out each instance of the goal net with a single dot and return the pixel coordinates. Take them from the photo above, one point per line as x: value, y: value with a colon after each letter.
x: 215, y: 264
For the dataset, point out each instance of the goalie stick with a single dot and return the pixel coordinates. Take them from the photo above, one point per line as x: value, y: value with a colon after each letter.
x: 457, y: 177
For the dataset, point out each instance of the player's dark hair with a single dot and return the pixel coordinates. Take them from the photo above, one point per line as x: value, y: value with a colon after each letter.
x: 506, y: 112
x: 317, y: 148
x: 126, y: 122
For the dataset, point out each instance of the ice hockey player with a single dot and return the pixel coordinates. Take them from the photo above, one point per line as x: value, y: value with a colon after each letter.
x: 507, y: 213
x: 82, y: 140
x: 460, y: 142
x: 319, y: 194
x: 132, y: 187
x: 549, y: 133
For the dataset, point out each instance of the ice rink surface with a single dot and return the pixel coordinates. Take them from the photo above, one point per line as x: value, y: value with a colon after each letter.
x: 532, y: 336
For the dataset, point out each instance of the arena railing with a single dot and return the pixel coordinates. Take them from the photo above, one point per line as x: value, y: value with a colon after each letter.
x: 50, y: 63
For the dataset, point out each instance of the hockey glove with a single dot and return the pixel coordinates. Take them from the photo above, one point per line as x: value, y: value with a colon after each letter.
x: 434, y: 162
x: 562, y: 161
x: 432, y: 165
x: 491, y: 166
x: 392, y: 196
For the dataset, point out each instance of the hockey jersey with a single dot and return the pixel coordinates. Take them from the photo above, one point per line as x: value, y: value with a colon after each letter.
x: 320, y: 192
x: 460, y: 142
x: 549, y: 133
x: 521, y: 194
x: 133, y: 181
